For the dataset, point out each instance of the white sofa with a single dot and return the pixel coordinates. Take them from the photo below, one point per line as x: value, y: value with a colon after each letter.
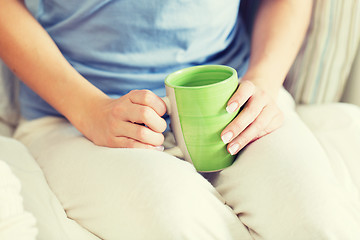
x: 336, y: 125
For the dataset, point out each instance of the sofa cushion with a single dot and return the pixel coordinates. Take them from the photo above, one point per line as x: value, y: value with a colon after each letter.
x: 337, y: 128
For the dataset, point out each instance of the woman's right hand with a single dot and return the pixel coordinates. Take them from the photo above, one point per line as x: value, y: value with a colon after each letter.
x: 131, y: 121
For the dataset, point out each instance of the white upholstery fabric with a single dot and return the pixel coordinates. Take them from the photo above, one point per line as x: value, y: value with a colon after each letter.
x: 337, y: 128
x: 39, y: 200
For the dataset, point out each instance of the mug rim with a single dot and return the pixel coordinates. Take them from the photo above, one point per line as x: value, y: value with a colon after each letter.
x: 199, y: 67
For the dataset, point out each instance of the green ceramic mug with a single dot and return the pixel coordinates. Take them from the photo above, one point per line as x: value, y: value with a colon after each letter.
x: 196, y: 100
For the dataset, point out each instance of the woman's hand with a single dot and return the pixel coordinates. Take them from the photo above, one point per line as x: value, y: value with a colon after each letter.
x: 132, y: 121
x: 277, y: 34
x: 259, y: 116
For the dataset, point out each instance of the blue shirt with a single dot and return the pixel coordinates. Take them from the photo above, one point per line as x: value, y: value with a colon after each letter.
x: 120, y: 45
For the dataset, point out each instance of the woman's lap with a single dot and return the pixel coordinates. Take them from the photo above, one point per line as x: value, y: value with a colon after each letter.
x: 284, y: 181
x: 281, y: 185
x: 128, y: 193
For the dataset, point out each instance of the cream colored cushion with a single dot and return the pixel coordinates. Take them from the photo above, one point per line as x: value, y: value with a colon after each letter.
x: 337, y: 128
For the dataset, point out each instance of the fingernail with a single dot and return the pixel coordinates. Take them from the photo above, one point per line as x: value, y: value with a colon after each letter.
x: 232, y: 107
x: 234, y: 148
x: 160, y: 148
x: 227, y: 137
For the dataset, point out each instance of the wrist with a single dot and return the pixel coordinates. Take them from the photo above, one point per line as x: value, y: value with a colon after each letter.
x: 85, y: 108
x: 268, y: 81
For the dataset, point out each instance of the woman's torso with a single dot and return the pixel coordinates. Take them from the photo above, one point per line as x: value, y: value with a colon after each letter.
x: 120, y: 45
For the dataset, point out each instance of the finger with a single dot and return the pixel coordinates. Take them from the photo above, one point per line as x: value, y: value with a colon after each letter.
x: 252, y: 131
x: 245, y: 90
x: 147, y: 116
x: 274, y: 124
x: 252, y: 109
x: 140, y: 133
x: 148, y: 98
x: 125, y: 142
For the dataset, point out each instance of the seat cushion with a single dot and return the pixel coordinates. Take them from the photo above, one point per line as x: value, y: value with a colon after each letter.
x: 337, y: 128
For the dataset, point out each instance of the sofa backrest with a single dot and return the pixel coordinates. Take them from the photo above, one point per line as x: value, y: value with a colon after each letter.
x: 9, y: 88
x: 351, y: 93
x: 326, y: 68
x: 323, y: 65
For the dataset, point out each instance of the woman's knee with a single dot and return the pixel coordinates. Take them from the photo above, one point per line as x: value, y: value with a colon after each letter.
x: 289, y: 194
x: 139, y: 193
x: 167, y: 200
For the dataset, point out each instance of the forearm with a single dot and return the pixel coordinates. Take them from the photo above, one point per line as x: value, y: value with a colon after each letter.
x: 277, y: 35
x: 34, y: 57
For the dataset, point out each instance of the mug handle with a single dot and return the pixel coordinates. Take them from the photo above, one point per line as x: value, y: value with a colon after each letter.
x: 176, y: 150
x: 167, y: 103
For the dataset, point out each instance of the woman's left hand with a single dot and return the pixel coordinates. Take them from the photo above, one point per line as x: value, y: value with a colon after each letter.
x: 260, y: 116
